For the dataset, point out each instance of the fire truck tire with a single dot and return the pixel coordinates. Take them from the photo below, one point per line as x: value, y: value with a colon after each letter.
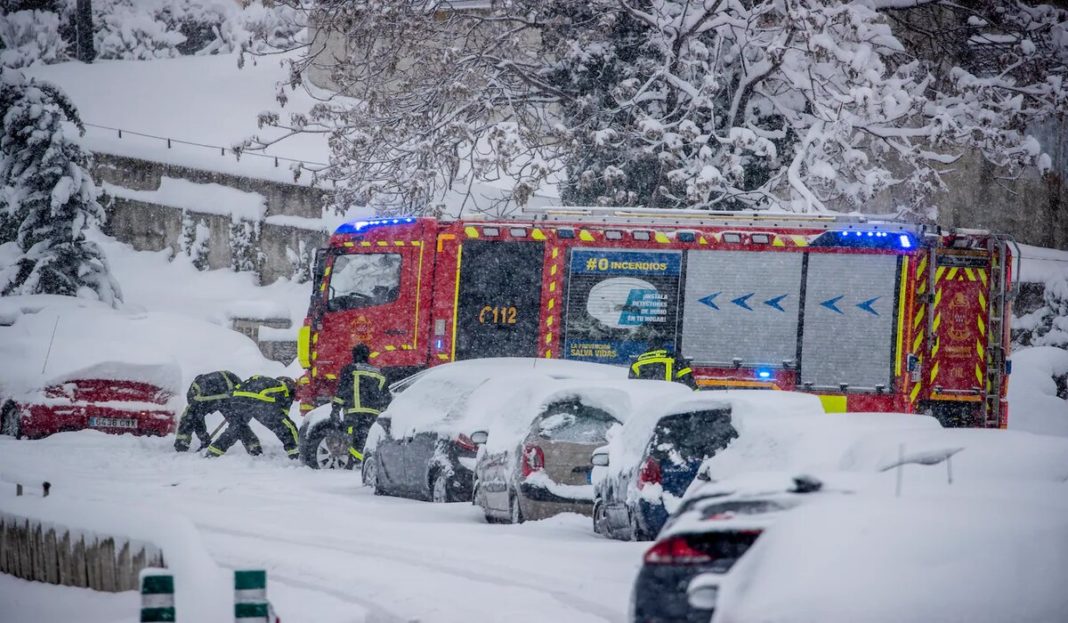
x: 9, y: 420
x: 326, y: 446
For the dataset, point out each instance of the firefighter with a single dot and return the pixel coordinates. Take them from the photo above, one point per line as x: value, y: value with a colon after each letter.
x: 208, y: 393
x: 266, y: 400
x: 361, y: 395
x: 661, y: 366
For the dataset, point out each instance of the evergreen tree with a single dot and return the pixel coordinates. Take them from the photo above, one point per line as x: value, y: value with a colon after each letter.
x: 47, y: 198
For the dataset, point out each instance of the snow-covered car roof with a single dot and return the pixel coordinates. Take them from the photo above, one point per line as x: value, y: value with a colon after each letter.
x: 451, y: 398
x: 92, y: 340
x: 883, y: 558
x: 803, y: 443
x: 620, y: 398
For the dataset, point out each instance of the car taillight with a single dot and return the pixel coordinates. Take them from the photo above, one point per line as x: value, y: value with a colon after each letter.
x: 464, y: 442
x: 675, y: 551
x: 533, y: 459
x: 650, y: 473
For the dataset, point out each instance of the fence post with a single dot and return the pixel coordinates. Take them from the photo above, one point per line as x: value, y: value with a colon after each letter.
x: 157, y: 596
x: 250, y: 596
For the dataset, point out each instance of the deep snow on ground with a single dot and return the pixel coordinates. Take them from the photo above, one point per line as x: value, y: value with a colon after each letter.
x: 36, y: 602
x: 333, y: 551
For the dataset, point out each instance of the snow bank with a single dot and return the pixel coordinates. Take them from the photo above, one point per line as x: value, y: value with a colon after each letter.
x: 984, y: 453
x: 1033, y: 402
x: 203, y: 591
x: 873, y: 559
x: 199, y: 99
x: 1039, y: 264
x: 206, y: 198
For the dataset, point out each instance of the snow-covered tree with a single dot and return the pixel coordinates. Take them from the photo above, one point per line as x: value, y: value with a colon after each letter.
x: 804, y: 105
x: 30, y: 37
x: 46, y: 189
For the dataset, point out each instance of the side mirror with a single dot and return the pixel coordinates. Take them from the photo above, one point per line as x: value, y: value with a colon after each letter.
x: 600, y: 459
x: 479, y: 437
x: 703, y: 591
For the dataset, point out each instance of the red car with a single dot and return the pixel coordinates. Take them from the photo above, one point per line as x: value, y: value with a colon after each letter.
x: 103, y: 402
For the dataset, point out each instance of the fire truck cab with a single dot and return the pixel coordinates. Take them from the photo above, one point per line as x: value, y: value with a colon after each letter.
x: 868, y: 315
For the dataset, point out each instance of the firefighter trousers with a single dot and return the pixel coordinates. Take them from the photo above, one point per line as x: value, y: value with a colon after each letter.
x: 192, y: 423
x: 358, y: 425
x: 237, y: 429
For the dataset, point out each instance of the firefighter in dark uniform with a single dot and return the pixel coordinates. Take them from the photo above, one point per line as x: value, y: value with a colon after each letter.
x: 661, y: 366
x: 362, y: 393
x: 266, y: 400
x: 208, y: 393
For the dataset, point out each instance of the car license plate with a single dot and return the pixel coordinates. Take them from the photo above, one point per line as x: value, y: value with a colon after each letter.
x: 112, y: 422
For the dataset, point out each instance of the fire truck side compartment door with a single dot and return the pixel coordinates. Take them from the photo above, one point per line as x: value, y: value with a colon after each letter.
x: 741, y: 305
x: 499, y: 299
x: 850, y: 311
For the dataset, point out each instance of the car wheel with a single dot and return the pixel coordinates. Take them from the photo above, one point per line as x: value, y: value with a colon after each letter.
x: 9, y: 421
x: 600, y: 519
x: 369, y: 472
x: 515, y: 513
x: 326, y: 446
x: 439, y: 488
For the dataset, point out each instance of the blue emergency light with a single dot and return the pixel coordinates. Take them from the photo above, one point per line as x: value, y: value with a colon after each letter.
x: 873, y: 239
x: 764, y: 374
x: 359, y: 227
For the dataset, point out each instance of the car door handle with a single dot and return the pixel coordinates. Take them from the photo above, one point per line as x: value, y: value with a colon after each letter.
x: 395, y: 332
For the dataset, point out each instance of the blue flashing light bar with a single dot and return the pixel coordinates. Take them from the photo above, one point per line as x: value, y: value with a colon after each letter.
x: 763, y: 374
x: 874, y: 239
x: 359, y: 227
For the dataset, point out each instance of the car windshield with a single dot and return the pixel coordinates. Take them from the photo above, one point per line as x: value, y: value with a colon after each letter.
x: 693, y: 435
x: 364, y: 280
x: 572, y: 421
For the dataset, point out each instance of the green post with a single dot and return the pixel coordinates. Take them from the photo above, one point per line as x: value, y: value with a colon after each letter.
x: 250, y: 597
x: 157, y: 596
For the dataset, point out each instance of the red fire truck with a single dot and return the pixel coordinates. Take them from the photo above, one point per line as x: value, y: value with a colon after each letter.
x: 868, y: 315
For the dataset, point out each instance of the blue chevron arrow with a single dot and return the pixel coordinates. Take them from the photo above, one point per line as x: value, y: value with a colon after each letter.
x: 867, y: 306
x: 775, y: 302
x: 710, y: 300
x: 832, y: 304
x: 741, y: 301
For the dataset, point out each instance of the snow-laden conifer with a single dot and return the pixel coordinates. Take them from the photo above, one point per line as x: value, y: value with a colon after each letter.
x: 47, y: 198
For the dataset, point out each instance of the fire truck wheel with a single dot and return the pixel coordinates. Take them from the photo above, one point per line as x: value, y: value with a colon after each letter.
x: 9, y: 420
x: 326, y: 446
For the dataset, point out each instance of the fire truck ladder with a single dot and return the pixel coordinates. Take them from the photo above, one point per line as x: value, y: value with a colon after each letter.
x: 995, y: 351
x: 682, y: 217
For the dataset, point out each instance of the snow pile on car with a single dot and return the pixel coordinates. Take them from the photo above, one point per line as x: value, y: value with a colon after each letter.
x: 466, y: 396
x: 915, y: 558
x: 92, y: 340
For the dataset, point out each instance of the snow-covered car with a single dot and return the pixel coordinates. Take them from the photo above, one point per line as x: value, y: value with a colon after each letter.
x: 546, y: 469
x: 113, y: 397
x: 421, y: 447
x: 715, y: 525
x: 650, y: 461
x: 998, y: 556
x: 68, y: 363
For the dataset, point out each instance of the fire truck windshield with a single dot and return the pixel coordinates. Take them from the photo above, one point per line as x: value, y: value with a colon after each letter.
x: 364, y: 280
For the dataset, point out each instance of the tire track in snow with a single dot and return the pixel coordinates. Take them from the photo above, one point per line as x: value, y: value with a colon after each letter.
x: 369, y: 549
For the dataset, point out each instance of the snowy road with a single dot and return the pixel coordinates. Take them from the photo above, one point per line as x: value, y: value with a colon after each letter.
x: 335, y: 552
